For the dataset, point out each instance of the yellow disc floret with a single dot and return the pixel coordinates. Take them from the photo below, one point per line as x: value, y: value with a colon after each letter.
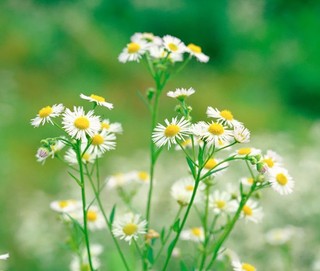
x: 269, y: 162
x: 211, y: 163
x: 133, y: 47
x: 247, y: 210
x: 196, y: 231
x: 220, y: 204
x: 173, y: 47
x: 171, y: 130
x: 226, y: 114
x: 244, y: 151
x: 282, y: 179
x: 143, y: 176
x: 216, y: 129
x: 63, y: 203
x: 105, y: 125
x: 97, y: 98
x: 248, y: 267
x: 194, y: 48
x: 130, y: 229
x: 189, y: 187
x: 45, y: 112
x: 82, y: 123
x: 97, y: 140
x: 92, y: 216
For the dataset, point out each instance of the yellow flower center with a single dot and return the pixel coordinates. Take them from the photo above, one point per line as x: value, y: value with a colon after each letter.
x: 244, y: 151
x: 92, y: 216
x: 173, y: 47
x: 282, y: 179
x: 194, y: 48
x: 248, y: 267
x: 63, y: 204
x: 250, y: 180
x: 143, y: 176
x: 97, y: 98
x: 130, y: 229
x: 186, y: 142
x: 220, y: 204
x: 133, y: 47
x: 82, y: 123
x: 97, y: 140
x: 269, y: 162
x: 216, y: 129
x: 189, y: 187
x: 247, y: 210
x: 172, y: 130
x: 210, y: 164
x: 226, y: 114
x: 105, y: 125
x: 86, y: 156
x: 196, y: 232
x: 45, y: 111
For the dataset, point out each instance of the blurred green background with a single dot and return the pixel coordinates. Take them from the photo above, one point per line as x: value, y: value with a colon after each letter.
x: 264, y: 66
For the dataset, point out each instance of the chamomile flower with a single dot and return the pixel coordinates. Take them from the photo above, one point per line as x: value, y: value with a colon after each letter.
x: 272, y: 159
x: 281, y: 181
x: 4, y: 256
x: 102, y: 142
x: 129, y: 227
x: 147, y: 37
x: 95, y: 219
x: 115, y: 127
x: 133, y: 51
x: 224, y: 116
x: 182, y: 191
x: 247, y: 181
x: 46, y: 113
x: 247, y: 151
x: 97, y: 99
x: 196, y: 51
x: 212, y: 164
x: 159, y: 52
x: 240, y: 266
x: 171, y: 132
x: 279, y: 236
x: 241, y: 134
x: 195, y: 234
x: 65, y: 206
x: 87, y: 157
x: 213, y: 133
x: 181, y: 93
x: 173, y: 44
x: 78, y: 124
x: 141, y: 177
x: 119, y: 180
x: 219, y: 202
x: 251, y: 211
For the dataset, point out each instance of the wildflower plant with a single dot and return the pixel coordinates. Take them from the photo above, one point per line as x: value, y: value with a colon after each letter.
x: 209, y: 147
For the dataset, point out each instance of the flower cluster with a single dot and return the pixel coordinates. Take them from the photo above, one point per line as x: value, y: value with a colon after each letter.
x: 167, y: 48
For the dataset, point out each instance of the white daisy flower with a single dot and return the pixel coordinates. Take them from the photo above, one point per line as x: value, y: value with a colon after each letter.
x: 46, y: 113
x: 272, y: 159
x: 196, y: 51
x: 251, y: 211
x: 159, y: 52
x: 97, y: 99
x: 219, y: 202
x: 66, y: 206
x: 279, y: 236
x: 181, y: 93
x: 243, y: 152
x: 241, y: 134
x: 133, y: 51
x: 87, y: 157
x: 182, y: 191
x: 239, y: 266
x: 82, y: 263
x: 195, y: 234
x: 212, y: 164
x: 281, y: 181
x: 78, y: 124
x: 102, y: 142
x: 173, y: 44
x: 119, y: 180
x: 95, y: 219
x: 169, y: 134
x: 141, y: 177
x: 147, y: 37
x: 224, y: 116
x: 115, y: 127
x: 247, y: 181
x: 213, y: 133
x: 129, y: 227
x: 4, y: 256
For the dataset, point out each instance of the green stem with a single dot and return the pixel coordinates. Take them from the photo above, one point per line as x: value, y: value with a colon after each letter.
x: 83, y: 198
x: 97, y: 196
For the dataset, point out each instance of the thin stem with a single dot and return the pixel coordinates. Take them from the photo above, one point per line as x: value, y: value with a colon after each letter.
x: 83, y: 198
x: 97, y: 196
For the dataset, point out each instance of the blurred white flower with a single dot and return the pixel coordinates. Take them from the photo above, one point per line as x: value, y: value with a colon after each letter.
x: 196, y: 51
x: 195, y: 234
x: 97, y: 99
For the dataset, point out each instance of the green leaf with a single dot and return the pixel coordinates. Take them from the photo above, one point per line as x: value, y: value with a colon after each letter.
x: 113, y: 211
x: 75, y: 178
x: 162, y: 235
x: 150, y: 93
x: 176, y: 226
x: 183, y: 266
x: 191, y: 166
x: 171, y: 247
x: 150, y: 255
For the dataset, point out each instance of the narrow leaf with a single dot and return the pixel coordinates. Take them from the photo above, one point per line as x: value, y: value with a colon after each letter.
x: 150, y: 255
x: 162, y: 235
x: 113, y: 212
x: 171, y: 247
x: 191, y: 166
x: 75, y: 178
x: 176, y: 226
